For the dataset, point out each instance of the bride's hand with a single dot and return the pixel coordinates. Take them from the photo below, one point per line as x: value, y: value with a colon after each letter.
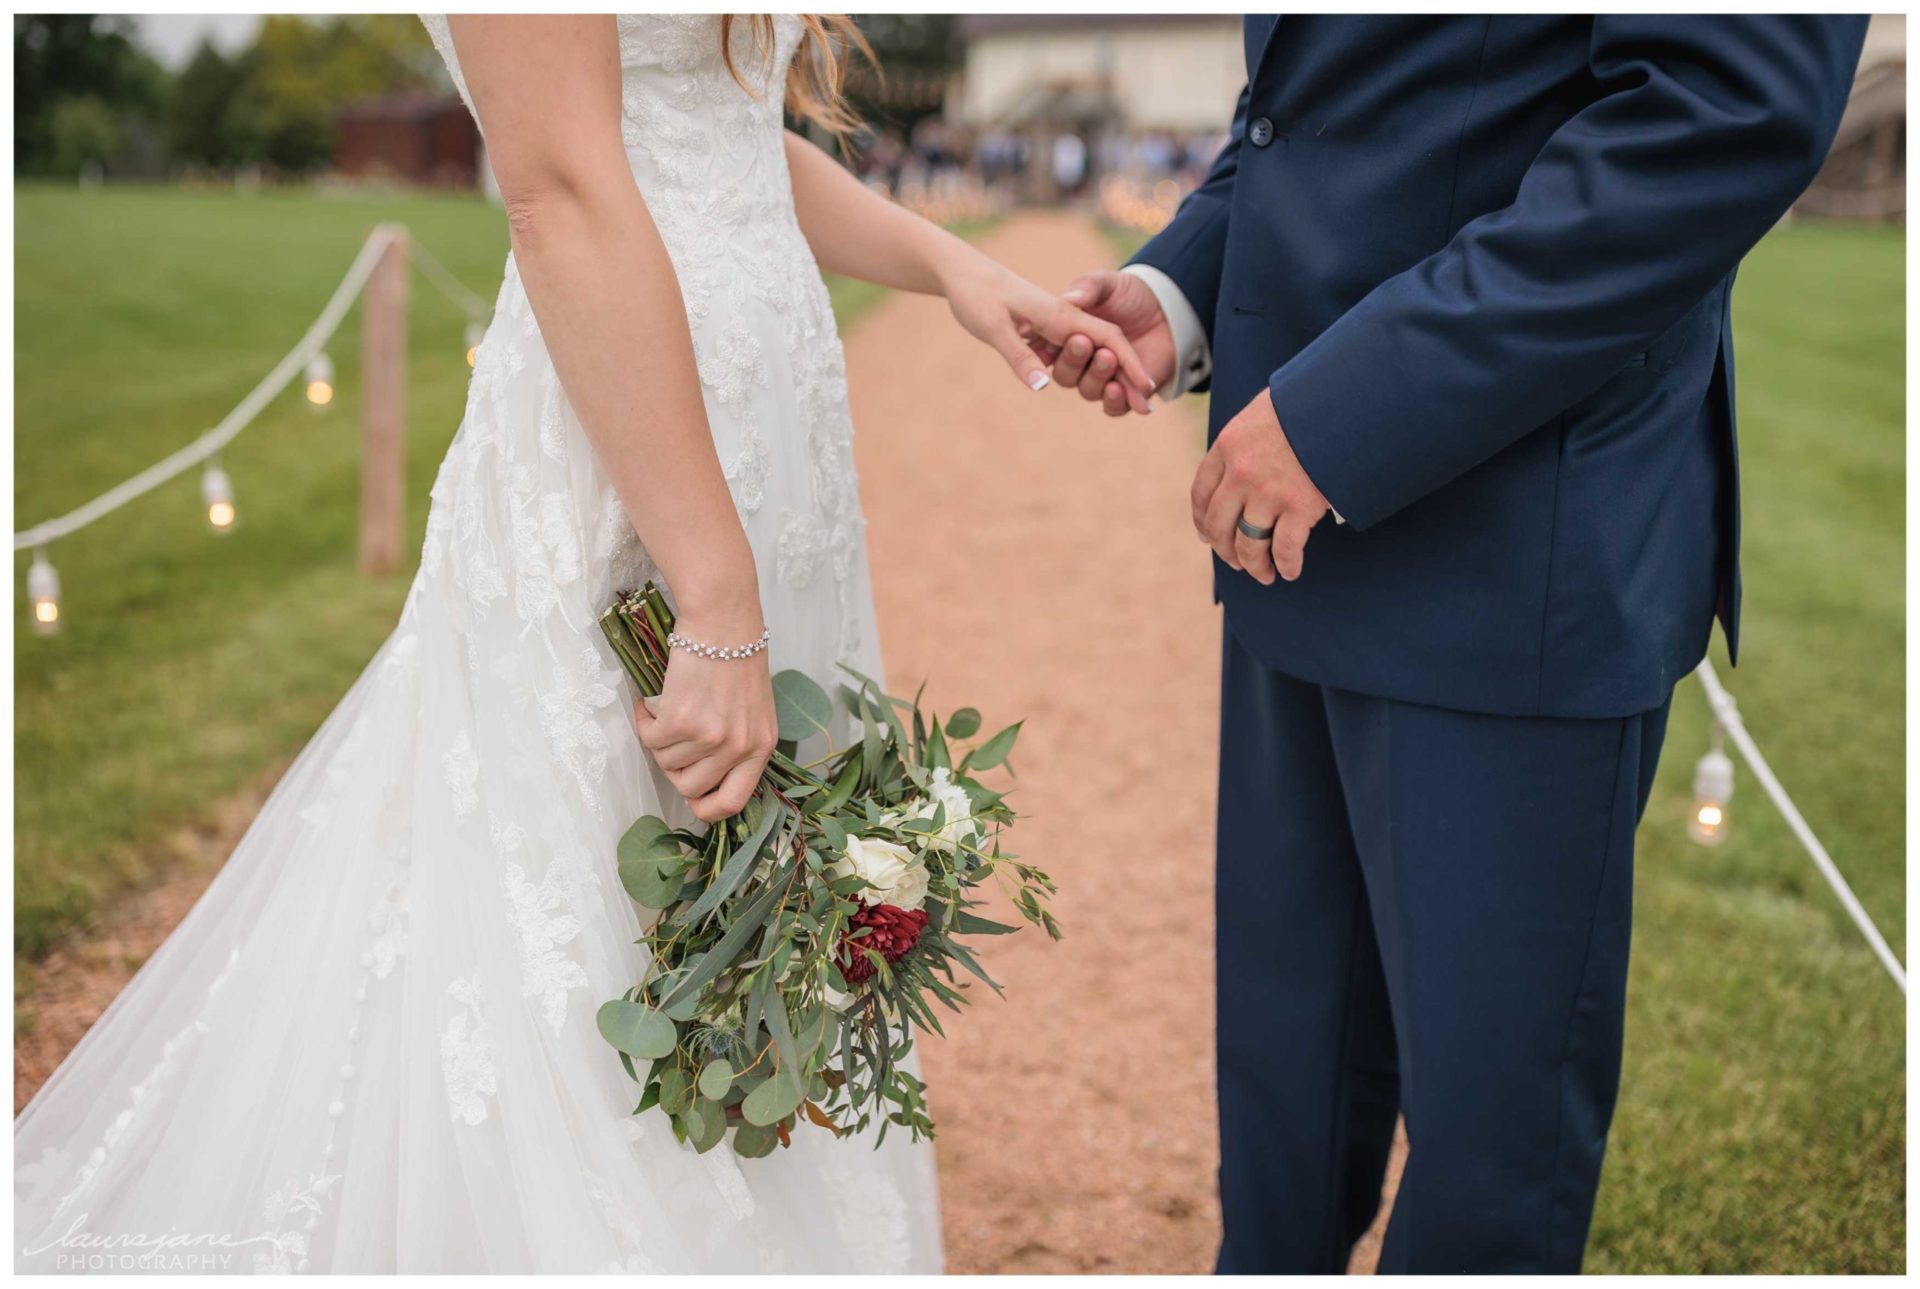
x: 714, y: 728
x: 1008, y: 312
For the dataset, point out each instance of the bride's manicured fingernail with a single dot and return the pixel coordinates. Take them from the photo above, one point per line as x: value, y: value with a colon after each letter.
x: 1039, y: 380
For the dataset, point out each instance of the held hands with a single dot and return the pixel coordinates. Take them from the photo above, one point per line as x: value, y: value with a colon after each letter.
x: 1024, y: 322
x: 714, y: 726
x: 1090, y: 367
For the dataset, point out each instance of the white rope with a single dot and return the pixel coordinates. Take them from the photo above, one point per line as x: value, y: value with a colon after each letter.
x: 448, y: 285
x: 210, y: 443
x: 1727, y: 716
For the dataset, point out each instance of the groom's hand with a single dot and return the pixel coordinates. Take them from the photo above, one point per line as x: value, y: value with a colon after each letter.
x: 1252, y: 473
x: 1128, y: 303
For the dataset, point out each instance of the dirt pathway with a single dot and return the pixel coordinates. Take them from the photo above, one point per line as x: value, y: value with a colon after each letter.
x: 1032, y: 558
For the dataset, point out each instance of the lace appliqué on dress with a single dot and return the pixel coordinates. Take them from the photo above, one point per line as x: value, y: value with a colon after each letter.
x: 463, y: 774
x: 545, y: 920
x: 574, y: 732
x: 299, y: 1204
x: 466, y: 1054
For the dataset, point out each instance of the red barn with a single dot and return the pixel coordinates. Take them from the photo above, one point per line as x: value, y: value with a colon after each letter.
x: 410, y: 138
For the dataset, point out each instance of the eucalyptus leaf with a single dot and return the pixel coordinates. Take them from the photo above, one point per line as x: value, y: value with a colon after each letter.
x: 810, y: 1029
x: 965, y: 923
x: 716, y: 1078
x: 750, y: 1141
x: 756, y: 1006
x: 648, y: 1100
x: 870, y: 739
x: 782, y: 1032
x: 683, y: 1009
x: 964, y: 723
x: 843, y: 787
x: 964, y: 956
x: 937, y: 753
x: 651, y: 864
x: 742, y: 862
x: 676, y: 1090
x: 649, y: 838
x: 801, y: 706
x: 635, y: 1028
x: 773, y: 1100
x: 993, y: 751
x: 746, y: 922
x: 706, y: 1124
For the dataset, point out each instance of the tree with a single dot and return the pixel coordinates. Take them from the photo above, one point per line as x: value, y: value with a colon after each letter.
x: 197, y: 127
x: 83, y: 132
x: 300, y: 73
x: 63, y: 57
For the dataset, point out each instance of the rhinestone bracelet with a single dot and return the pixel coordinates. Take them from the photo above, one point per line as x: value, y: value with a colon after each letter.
x: 677, y: 641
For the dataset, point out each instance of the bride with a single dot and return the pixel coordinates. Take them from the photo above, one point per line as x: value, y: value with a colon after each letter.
x: 371, y: 1046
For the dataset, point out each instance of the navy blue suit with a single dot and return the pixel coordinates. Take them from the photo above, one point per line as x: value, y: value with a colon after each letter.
x: 1485, y: 267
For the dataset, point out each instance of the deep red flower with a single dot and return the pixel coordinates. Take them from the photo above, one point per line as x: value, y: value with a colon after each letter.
x: 891, y: 933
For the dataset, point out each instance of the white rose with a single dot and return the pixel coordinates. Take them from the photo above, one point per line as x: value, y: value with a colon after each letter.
x: 894, y: 873
x: 960, y: 823
x: 943, y: 791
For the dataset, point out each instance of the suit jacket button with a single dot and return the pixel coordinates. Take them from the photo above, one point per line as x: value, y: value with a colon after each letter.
x: 1260, y: 132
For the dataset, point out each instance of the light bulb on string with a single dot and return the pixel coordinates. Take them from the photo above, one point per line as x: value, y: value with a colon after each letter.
x: 476, y: 332
x: 1712, y: 796
x: 43, y: 589
x: 216, y: 493
x: 320, y: 379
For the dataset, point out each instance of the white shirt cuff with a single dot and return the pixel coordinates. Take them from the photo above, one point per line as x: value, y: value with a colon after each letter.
x: 1193, y: 356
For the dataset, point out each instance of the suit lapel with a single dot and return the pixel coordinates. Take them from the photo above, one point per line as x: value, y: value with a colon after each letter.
x: 1257, y: 31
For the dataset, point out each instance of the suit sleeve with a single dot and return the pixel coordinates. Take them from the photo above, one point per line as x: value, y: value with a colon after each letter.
x: 1706, y: 131
x: 1192, y: 248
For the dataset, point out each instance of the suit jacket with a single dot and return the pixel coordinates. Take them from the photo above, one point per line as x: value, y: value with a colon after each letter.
x: 1485, y: 267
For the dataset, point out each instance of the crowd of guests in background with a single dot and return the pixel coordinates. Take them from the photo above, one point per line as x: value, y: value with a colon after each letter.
x: 946, y: 170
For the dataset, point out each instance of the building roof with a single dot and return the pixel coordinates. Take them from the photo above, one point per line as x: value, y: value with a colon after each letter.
x: 996, y: 24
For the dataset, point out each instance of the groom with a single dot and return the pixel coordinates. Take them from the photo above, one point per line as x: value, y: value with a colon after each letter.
x: 1462, y: 288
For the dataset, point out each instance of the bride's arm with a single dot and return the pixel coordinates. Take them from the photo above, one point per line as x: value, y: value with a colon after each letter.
x: 547, y: 91
x: 861, y: 234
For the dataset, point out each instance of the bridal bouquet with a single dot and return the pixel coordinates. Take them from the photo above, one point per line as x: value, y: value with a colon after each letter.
x: 800, y: 944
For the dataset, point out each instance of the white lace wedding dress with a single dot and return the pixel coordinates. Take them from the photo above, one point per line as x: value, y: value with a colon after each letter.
x: 371, y: 1046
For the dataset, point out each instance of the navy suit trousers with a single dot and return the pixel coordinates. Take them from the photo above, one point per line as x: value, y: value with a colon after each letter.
x: 1422, y: 912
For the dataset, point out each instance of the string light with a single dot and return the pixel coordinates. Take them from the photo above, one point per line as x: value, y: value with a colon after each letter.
x: 216, y: 488
x: 216, y: 492
x: 43, y: 589
x: 320, y: 379
x: 1712, y: 795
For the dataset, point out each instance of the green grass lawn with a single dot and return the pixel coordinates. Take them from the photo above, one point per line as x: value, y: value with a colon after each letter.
x: 190, y: 666
x: 1762, y: 1121
x: 1762, y: 1124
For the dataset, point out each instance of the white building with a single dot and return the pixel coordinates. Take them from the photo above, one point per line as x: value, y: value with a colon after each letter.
x: 1172, y: 72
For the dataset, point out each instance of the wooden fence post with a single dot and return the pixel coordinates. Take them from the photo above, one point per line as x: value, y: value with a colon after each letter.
x: 383, y: 429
